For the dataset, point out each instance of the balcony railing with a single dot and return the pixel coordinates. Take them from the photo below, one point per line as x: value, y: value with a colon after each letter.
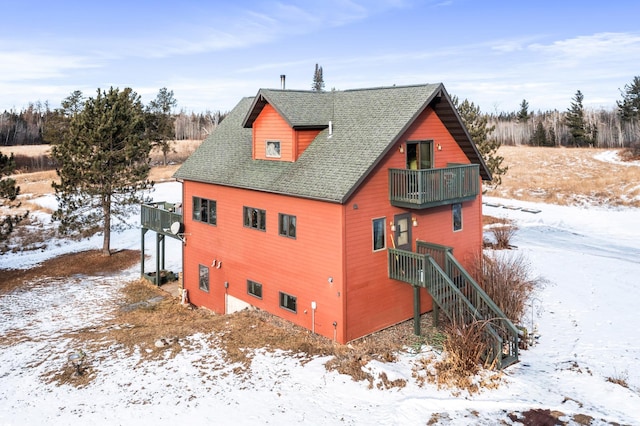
x: 419, y: 189
x: 160, y: 216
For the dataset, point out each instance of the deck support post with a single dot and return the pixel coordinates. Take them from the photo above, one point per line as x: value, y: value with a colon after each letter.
x: 416, y: 310
x: 436, y: 313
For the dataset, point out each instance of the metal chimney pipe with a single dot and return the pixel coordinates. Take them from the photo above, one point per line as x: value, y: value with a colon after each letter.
x: 282, y: 79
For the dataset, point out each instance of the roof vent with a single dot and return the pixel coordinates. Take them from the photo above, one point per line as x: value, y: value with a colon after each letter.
x: 330, y: 128
x: 282, y: 80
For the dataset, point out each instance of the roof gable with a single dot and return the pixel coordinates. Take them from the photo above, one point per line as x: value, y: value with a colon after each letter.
x: 366, y: 123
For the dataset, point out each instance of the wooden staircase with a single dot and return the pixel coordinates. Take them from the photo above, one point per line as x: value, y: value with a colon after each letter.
x: 457, y: 295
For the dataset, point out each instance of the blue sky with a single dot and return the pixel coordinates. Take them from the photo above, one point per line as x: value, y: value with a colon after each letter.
x: 212, y: 53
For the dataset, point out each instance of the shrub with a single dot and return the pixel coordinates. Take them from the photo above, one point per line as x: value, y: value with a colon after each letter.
x: 460, y: 368
x: 503, y: 235
x: 507, y: 280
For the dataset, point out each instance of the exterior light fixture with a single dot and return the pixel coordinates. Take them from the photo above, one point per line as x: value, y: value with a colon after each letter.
x: 393, y: 226
x: 414, y: 221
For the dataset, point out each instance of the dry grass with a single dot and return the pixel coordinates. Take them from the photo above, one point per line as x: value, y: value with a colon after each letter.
x: 461, y: 368
x: 508, y: 281
x: 146, y: 314
x: 566, y: 176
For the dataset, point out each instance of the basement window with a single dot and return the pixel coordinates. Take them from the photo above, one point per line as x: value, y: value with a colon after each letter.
x: 288, y: 302
x: 456, y: 213
x: 204, y: 278
x: 254, y: 289
x: 255, y: 218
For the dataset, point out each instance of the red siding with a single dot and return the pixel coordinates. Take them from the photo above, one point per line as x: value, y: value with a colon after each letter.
x: 373, y: 300
x: 304, y: 139
x: 301, y: 267
x: 271, y: 126
x: 331, y: 261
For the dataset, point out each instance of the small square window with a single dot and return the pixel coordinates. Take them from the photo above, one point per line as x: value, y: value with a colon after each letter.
x: 379, y: 240
x: 204, y: 278
x: 254, y: 289
x: 456, y: 213
x: 288, y: 302
x: 273, y: 149
x: 287, y: 225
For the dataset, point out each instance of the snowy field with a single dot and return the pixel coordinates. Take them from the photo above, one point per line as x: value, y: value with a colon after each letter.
x: 586, y: 316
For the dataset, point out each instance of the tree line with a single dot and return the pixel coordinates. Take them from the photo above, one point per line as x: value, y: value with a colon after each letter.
x: 577, y: 126
x: 29, y: 126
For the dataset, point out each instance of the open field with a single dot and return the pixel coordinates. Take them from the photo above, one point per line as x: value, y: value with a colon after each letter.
x: 568, y: 176
x: 38, y: 183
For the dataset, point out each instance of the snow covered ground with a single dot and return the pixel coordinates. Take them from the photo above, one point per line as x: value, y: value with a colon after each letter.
x: 587, y: 317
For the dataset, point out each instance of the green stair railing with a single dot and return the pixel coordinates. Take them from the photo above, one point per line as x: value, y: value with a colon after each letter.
x: 457, y: 294
x: 485, y: 308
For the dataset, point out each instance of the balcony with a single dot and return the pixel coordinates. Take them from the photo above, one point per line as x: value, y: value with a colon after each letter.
x: 421, y: 189
x: 161, y: 216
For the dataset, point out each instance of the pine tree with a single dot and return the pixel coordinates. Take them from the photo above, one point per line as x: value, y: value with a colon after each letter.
x: 582, y: 134
x: 539, y: 136
x: 479, y: 130
x: 318, y: 80
x: 159, y: 122
x: 103, y: 164
x: 523, y: 114
x: 8, y: 194
x: 629, y: 107
x: 57, y: 122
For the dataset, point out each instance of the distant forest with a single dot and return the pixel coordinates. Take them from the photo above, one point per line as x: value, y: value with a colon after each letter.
x: 550, y: 128
x: 576, y: 126
x: 27, y: 127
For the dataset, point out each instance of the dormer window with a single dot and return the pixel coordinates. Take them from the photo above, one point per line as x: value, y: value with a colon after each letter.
x: 273, y: 149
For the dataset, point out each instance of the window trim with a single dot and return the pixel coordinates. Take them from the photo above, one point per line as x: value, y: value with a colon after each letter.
x: 373, y: 233
x: 287, y: 231
x: 202, y: 268
x: 196, y: 214
x: 277, y: 148
x: 251, y: 284
x: 281, y: 299
x: 454, y: 207
x: 261, y: 218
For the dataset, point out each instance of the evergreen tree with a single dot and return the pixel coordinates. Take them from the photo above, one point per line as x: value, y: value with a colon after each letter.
x: 318, y: 80
x: 159, y: 121
x: 8, y: 193
x: 479, y: 130
x: 539, y: 136
x: 629, y: 107
x: 523, y: 114
x: 103, y: 164
x: 581, y: 133
x: 58, y: 121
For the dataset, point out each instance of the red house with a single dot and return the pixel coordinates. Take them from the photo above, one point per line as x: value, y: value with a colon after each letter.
x: 344, y: 212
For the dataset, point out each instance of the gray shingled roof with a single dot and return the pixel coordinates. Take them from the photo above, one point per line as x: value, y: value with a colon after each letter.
x: 366, y: 123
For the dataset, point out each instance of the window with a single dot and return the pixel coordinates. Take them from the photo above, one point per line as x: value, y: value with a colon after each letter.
x: 254, y: 289
x: 456, y: 212
x: 379, y: 237
x: 255, y: 218
x: 204, y: 210
x: 288, y: 302
x: 287, y: 225
x: 273, y: 149
x: 204, y: 278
